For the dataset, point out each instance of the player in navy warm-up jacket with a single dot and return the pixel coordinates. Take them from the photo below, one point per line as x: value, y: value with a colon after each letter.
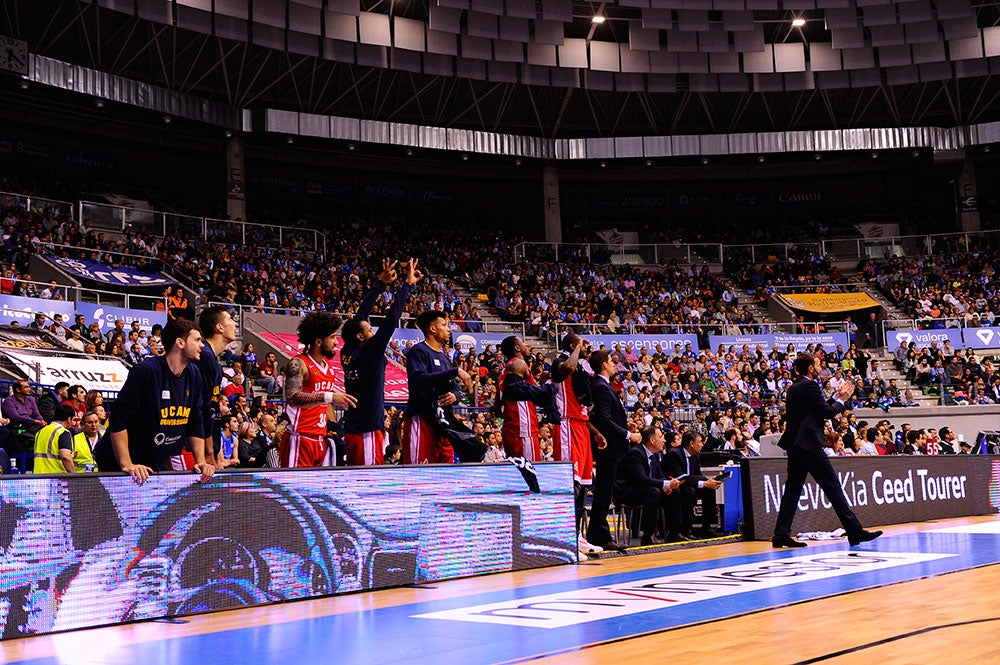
x: 363, y: 360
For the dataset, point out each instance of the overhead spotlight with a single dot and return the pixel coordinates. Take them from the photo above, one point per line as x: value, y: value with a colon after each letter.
x: 99, y: 103
x: 874, y: 155
x: 518, y: 162
x: 229, y: 133
x: 409, y: 152
x: 351, y: 147
x: 289, y: 140
x: 465, y: 156
x: 986, y: 148
x: 915, y: 153
x: 598, y: 19
x: 167, y: 120
x: 604, y: 164
x: 648, y: 162
x: 704, y: 161
x: 23, y: 85
x: 798, y: 23
x: 760, y: 159
x: 818, y: 156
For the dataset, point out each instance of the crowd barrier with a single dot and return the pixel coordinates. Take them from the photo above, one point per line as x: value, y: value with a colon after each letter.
x: 91, y: 550
x: 880, y: 490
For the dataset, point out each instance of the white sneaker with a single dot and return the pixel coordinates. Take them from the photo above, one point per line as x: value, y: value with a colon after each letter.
x: 587, y: 548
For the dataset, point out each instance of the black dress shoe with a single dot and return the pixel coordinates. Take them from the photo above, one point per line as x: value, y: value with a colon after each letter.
x: 786, y: 541
x: 863, y: 537
x: 677, y: 538
x: 709, y: 533
x: 651, y: 540
x: 612, y: 546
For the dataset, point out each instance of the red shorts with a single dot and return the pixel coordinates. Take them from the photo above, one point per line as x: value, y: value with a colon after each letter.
x: 365, y: 449
x: 571, y: 442
x: 297, y: 450
x: 422, y: 445
x: 182, y: 462
x: 522, y: 446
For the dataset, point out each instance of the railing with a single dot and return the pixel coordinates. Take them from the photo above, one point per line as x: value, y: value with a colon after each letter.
x: 559, y: 329
x: 97, y: 296
x: 38, y: 204
x: 118, y: 218
x: 717, y: 253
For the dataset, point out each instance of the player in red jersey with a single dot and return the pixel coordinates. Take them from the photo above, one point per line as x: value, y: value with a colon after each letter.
x: 517, y: 399
x: 571, y: 439
x: 309, y: 392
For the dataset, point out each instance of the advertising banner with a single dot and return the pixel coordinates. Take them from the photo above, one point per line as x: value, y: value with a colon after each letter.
x: 648, y: 342
x: 82, y: 550
x: 105, y: 274
x: 828, y: 303
x: 15, y: 309
x: 923, y: 338
x: 981, y: 338
x: 800, y: 342
x: 30, y: 338
x: 106, y: 316
x: 476, y: 342
x: 880, y: 490
x: 91, y: 373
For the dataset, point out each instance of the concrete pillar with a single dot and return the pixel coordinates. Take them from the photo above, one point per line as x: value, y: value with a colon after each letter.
x: 967, y: 203
x: 550, y: 193
x: 236, y: 204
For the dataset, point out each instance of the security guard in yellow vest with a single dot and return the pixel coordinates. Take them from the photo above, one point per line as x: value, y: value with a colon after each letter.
x: 54, y: 448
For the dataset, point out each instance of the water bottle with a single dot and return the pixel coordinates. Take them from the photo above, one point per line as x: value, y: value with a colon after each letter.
x: 13, y: 466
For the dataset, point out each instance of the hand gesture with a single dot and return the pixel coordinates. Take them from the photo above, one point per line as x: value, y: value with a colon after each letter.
x: 712, y: 484
x: 465, y: 378
x: 447, y: 399
x: 344, y: 400
x: 672, y: 485
x: 388, y: 275
x: 415, y: 274
x: 845, y: 390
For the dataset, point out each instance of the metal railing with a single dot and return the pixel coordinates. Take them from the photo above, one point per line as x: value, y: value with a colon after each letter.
x: 96, y: 296
x: 119, y: 218
x: 38, y: 204
x: 717, y: 253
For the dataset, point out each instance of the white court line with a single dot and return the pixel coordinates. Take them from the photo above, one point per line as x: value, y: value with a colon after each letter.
x: 983, y: 527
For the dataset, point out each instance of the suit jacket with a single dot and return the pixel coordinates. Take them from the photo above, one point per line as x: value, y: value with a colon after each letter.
x: 675, y: 466
x: 805, y: 412
x: 608, y: 416
x: 634, y: 472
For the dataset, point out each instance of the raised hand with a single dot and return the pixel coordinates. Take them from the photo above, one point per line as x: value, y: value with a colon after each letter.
x: 415, y: 274
x: 388, y: 275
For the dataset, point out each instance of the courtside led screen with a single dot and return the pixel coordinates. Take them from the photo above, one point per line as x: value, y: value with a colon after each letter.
x: 80, y: 551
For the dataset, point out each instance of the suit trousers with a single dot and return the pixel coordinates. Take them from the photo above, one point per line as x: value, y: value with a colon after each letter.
x: 679, y: 508
x: 800, y: 463
x: 649, y: 499
x: 603, y: 488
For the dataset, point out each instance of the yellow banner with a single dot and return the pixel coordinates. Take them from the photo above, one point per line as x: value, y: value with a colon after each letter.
x: 829, y: 302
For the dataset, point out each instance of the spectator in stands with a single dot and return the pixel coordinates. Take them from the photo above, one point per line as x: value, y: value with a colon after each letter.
x: 916, y: 443
x: 76, y: 399
x: 80, y: 325
x: 76, y: 342
x: 947, y: 440
x: 51, y: 398
x: 55, y: 449
x: 22, y: 413
x: 51, y: 292
x: 57, y: 328
x: 39, y: 322
x: 228, y: 443
x: 234, y: 384
x: 94, y: 333
x: 266, y: 372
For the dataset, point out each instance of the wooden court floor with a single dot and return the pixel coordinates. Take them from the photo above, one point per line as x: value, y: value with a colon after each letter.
x: 927, y: 618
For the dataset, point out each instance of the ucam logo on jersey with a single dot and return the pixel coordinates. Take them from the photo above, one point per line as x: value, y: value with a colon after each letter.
x: 570, y: 608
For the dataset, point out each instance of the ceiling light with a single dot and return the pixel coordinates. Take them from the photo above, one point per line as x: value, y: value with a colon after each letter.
x: 760, y: 159
x: 465, y: 157
x: 874, y: 155
x: 987, y: 149
x: 351, y: 147
x: 290, y: 140
x: 518, y: 162
x: 229, y: 133
x: 598, y: 19
x: 167, y: 120
x: 798, y: 23
x: 409, y: 152
x: 99, y: 103
x: 704, y: 161
x: 818, y: 156
x: 604, y: 164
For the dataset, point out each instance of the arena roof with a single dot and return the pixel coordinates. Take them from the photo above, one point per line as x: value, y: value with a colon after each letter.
x: 543, y: 68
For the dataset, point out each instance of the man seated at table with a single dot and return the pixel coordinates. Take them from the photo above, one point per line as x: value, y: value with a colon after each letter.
x: 639, y: 480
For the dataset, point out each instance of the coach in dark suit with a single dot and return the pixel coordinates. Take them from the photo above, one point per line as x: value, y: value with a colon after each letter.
x: 608, y: 417
x: 806, y: 411
x: 640, y: 480
x: 681, y: 462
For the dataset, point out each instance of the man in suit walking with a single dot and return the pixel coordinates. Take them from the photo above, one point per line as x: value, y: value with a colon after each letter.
x: 640, y: 480
x: 610, y: 444
x: 806, y: 411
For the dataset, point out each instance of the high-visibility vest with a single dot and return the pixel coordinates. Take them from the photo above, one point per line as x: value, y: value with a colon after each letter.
x: 47, y: 458
x: 82, y: 455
